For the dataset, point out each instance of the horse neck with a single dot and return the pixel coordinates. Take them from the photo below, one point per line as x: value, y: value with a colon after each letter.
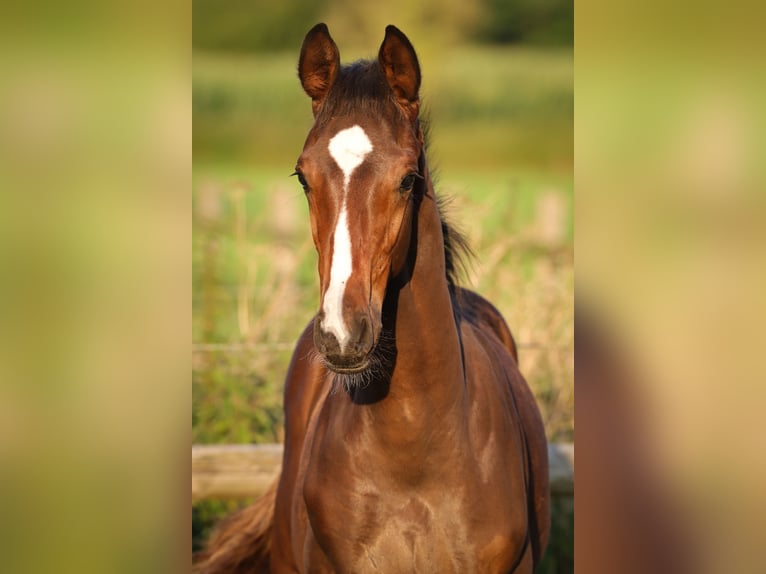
x: 427, y: 384
x: 428, y: 346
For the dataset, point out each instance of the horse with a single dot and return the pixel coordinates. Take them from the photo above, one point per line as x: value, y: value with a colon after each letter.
x: 412, y: 441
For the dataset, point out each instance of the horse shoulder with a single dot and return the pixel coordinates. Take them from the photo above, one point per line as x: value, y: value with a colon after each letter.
x: 302, y: 393
x: 493, y: 424
x: 497, y: 388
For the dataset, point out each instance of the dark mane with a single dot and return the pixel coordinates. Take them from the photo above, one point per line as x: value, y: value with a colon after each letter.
x: 361, y: 86
x: 457, y: 251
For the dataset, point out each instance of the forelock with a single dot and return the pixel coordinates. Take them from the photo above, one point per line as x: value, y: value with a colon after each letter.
x: 361, y: 87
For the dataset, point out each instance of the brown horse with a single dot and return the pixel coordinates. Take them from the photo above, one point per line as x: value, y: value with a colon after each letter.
x: 412, y: 442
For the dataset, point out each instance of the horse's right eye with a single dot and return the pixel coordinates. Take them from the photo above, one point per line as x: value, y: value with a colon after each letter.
x: 302, y: 181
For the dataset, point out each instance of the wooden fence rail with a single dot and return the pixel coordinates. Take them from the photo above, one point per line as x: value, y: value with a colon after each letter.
x: 245, y: 470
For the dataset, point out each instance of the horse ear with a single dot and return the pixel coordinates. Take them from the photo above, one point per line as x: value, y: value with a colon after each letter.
x: 318, y: 64
x: 399, y: 62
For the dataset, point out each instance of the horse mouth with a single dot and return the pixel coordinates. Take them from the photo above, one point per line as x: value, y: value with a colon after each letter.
x: 348, y: 369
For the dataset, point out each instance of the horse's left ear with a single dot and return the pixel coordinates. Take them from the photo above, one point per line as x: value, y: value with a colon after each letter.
x: 399, y: 62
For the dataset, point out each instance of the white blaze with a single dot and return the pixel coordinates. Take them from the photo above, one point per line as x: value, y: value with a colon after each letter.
x: 348, y: 148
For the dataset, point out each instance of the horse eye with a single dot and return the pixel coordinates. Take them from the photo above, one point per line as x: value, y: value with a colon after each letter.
x: 302, y: 181
x: 407, y: 182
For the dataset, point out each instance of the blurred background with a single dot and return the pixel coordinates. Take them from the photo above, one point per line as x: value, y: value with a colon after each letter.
x: 498, y: 87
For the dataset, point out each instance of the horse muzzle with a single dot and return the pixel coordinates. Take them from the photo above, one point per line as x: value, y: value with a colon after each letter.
x: 345, y: 350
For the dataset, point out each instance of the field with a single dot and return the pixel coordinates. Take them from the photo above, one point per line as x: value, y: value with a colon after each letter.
x: 501, y: 139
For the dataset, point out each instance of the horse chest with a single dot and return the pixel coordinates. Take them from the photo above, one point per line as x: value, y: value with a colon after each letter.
x: 370, y: 526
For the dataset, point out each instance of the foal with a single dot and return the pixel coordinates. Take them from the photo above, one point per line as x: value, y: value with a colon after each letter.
x: 412, y: 442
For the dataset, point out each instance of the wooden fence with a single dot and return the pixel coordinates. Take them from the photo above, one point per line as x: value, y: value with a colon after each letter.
x: 244, y: 470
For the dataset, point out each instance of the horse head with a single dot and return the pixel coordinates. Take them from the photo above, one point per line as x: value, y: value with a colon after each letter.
x: 362, y: 170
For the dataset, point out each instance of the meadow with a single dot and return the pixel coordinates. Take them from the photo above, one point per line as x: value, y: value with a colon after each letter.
x: 502, y: 143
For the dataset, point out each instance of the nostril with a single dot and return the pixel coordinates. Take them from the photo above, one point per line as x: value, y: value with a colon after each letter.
x: 330, y: 343
x: 325, y: 342
x: 363, y: 336
x: 367, y: 333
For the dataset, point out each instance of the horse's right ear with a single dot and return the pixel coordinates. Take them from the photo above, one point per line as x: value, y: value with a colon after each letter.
x: 318, y: 65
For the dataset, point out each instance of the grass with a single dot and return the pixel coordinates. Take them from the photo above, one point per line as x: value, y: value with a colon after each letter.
x: 502, y: 141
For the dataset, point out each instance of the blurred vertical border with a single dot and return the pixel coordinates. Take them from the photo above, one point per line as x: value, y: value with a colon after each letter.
x: 95, y: 221
x: 670, y: 206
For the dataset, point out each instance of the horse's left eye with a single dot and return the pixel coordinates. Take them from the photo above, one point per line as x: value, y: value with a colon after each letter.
x: 408, y: 182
